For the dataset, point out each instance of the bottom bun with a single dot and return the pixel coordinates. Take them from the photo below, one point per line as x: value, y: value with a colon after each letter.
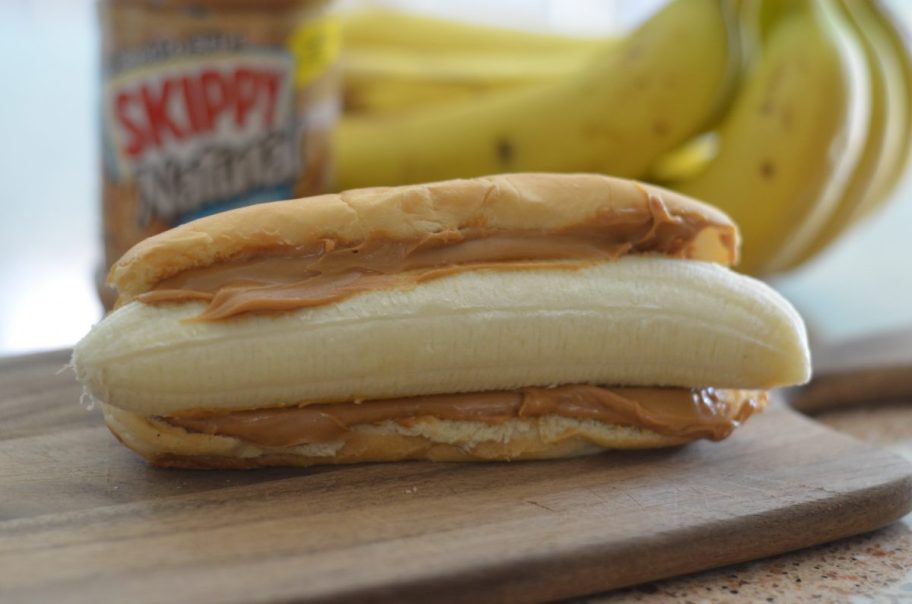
x: 546, y: 437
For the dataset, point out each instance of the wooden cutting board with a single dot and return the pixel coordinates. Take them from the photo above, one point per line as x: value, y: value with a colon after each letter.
x: 84, y: 520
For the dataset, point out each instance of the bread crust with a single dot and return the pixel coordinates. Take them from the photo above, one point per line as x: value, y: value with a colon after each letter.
x: 548, y: 437
x: 508, y: 203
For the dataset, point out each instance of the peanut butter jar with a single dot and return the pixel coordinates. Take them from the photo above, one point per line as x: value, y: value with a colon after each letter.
x: 208, y: 105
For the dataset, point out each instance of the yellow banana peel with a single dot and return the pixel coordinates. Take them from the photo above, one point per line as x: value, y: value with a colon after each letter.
x: 793, y: 137
x: 629, y: 105
x: 888, y: 130
x: 392, y: 29
x: 378, y: 81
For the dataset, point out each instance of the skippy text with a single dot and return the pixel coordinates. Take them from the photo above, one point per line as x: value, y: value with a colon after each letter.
x: 214, y: 100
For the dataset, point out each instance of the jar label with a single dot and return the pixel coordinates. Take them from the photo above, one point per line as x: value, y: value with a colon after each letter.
x: 207, y: 112
x: 204, y: 134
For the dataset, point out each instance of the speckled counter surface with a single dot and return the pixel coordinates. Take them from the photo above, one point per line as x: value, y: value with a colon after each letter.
x: 876, y: 567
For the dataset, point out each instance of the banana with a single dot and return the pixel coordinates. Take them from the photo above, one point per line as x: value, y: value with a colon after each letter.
x: 383, y: 80
x: 883, y: 26
x: 391, y: 29
x: 692, y: 156
x: 888, y: 129
x: 685, y: 162
x: 793, y: 137
x: 396, y: 61
x: 635, y: 100
x: 640, y: 320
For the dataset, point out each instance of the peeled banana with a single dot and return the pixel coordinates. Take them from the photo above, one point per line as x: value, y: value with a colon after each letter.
x: 640, y: 320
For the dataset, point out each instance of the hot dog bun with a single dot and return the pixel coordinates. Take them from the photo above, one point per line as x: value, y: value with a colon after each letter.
x: 566, y: 284
x: 510, y: 203
x: 426, y: 439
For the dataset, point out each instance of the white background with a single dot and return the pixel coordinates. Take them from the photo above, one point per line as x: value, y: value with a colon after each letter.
x: 49, y: 173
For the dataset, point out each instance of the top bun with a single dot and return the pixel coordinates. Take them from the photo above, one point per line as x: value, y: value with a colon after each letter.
x: 504, y: 204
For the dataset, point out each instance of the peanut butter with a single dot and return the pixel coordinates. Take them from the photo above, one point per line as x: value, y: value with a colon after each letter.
x: 328, y: 272
x: 677, y: 412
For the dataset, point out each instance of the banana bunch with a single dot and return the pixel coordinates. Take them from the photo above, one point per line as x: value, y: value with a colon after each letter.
x: 628, y: 105
x: 794, y: 116
x: 801, y: 147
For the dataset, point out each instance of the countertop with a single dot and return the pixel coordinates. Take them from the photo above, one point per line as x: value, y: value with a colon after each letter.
x: 876, y: 567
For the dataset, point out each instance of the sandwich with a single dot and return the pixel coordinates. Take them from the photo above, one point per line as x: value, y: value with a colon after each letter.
x: 518, y: 316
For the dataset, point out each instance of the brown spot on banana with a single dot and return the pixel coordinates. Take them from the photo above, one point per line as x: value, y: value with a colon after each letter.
x: 504, y: 151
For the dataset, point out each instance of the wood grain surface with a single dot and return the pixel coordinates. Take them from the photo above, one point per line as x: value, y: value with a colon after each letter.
x: 82, y: 519
x: 871, y: 369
